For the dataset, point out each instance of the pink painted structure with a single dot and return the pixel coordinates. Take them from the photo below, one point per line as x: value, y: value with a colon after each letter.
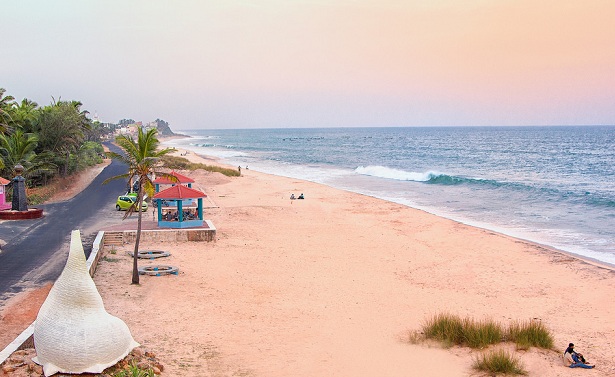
x: 3, y: 203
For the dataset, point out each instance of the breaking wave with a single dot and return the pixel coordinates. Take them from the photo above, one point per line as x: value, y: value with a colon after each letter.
x: 432, y: 177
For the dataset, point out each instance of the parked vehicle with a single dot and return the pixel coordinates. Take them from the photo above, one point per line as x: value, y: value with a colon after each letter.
x: 125, y: 201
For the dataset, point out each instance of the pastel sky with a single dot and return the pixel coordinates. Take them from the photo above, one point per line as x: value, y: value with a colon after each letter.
x: 316, y: 63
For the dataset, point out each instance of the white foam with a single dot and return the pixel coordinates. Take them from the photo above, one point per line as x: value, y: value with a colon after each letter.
x: 400, y: 175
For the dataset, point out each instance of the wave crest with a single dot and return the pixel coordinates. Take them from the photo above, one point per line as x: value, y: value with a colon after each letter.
x: 400, y: 175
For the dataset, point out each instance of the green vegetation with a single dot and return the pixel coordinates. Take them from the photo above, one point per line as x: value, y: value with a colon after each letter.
x: 499, y: 362
x: 180, y: 163
x: 453, y: 330
x: 143, y: 159
x: 528, y: 334
x: 134, y: 371
x: 480, y: 334
x: 50, y: 142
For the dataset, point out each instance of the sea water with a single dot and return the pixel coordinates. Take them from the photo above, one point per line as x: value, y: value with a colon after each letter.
x: 551, y: 185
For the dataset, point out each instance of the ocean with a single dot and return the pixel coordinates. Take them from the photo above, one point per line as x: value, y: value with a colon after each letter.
x: 551, y: 185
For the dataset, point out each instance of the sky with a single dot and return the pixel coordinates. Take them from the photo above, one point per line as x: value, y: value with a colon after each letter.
x: 313, y: 63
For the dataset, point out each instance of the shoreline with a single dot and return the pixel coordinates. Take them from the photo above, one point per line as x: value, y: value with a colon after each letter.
x: 548, y: 248
x: 332, y: 284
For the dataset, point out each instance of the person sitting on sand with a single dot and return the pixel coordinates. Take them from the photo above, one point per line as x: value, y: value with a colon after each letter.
x: 574, y: 359
x: 292, y: 196
x: 301, y: 196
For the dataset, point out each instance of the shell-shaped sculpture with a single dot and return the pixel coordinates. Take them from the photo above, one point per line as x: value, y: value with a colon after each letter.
x: 73, y: 332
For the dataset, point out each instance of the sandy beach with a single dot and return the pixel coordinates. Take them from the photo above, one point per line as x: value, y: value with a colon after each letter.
x: 332, y: 285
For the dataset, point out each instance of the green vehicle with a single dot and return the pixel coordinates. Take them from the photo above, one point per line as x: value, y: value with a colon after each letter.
x: 125, y: 201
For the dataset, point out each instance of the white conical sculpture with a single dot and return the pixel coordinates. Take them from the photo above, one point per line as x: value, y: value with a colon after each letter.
x: 73, y: 333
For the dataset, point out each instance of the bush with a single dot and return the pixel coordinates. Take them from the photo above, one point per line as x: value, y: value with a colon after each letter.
x: 528, y: 334
x: 499, y: 361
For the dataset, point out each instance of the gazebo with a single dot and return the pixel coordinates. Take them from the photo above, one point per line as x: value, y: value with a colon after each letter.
x: 3, y: 203
x: 162, y: 182
x: 177, y: 208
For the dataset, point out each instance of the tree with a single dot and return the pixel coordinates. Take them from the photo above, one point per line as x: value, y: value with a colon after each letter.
x: 17, y: 148
x: 25, y: 116
x: 143, y: 158
x: 6, y: 104
x: 126, y: 122
x: 62, y: 130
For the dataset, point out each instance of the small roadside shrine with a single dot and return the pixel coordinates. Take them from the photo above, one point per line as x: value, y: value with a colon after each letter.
x: 3, y: 203
x: 177, y: 207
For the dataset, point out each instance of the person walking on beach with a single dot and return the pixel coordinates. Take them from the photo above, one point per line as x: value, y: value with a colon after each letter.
x: 574, y: 359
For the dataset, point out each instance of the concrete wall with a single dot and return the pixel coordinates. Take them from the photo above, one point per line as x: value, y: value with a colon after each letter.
x: 173, y: 235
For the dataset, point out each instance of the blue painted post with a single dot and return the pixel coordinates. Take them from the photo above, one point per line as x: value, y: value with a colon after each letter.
x: 159, y: 205
x: 200, y: 208
x: 180, y: 211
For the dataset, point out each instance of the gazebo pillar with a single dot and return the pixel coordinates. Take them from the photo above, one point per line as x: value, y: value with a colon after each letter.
x: 180, y: 210
x: 200, y: 208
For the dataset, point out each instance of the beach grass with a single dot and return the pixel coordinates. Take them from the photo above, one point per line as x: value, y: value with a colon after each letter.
x: 480, y: 334
x: 499, y: 362
x: 528, y: 334
x: 180, y: 163
x: 452, y: 330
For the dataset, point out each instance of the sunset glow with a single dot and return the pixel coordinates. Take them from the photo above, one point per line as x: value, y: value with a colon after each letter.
x: 276, y: 63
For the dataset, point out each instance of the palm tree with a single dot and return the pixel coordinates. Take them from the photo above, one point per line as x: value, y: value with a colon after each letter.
x: 61, y: 130
x: 143, y: 158
x: 17, y: 148
x: 6, y: 104
x: 25, y: 115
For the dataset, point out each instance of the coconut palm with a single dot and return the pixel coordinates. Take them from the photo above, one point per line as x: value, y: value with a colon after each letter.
x: 6, y: 104
x: 25, y: 115
x: 143, y: 158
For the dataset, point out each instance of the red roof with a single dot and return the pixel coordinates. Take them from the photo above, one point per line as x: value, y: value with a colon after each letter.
x: 179, y: 192
x: 4, y: 182
x: 181, y: 179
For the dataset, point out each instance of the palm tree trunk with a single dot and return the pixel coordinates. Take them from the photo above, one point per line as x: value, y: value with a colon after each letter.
x: 135, y: 267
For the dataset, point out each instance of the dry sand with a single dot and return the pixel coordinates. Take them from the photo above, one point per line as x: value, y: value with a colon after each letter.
x: 332, y: 285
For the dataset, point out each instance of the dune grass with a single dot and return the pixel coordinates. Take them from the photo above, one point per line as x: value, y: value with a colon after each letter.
x: 499, y: 362
x: 180, y: 163
x: 452, y: 330
x: 528, y: 334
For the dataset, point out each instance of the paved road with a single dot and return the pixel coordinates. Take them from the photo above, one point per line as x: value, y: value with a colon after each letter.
x: 36, y: 250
